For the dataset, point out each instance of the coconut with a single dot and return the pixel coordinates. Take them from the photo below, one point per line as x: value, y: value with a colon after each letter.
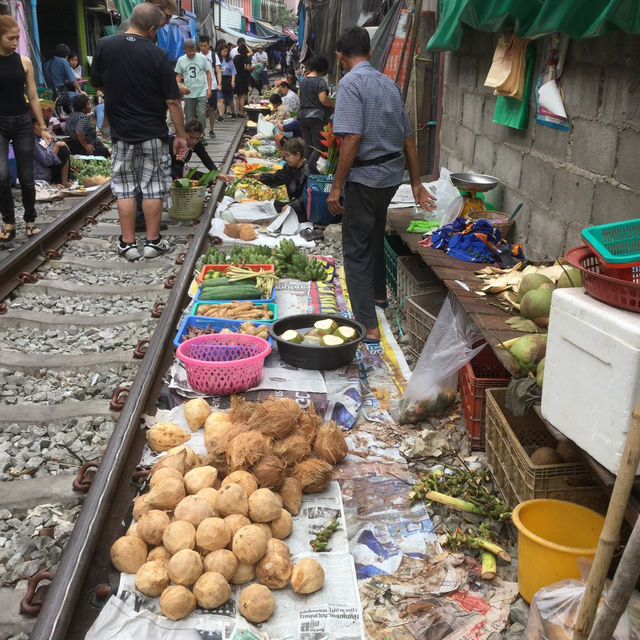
x: 158, y: 553
x: 196, y: 411
x: 191, y: 459
x: 571, y: 277
x: 179, y: 535
x: 151, y: 526
x: 314, y: 475
x: 278, y: 546
x: 140, y: 507
x: 232, y: 498
x: 536, y: 305
x: 249, y: 544
x: 330, y: 444
x: 241, y: 410
x: 177, y: 461
x: 166, y: 494
x: 223, y: 562
x: 210, y: 495
x: 200, y: 478
x: 163, y: 436
x: 567, y: 451
x: 291, y: 494
x: 269, y: 471
x: 307, y: 576
x: 309, y: 424
x: 256, y: 603
x: 193, y: 509
x: 211, y: 590
x: 264, y: 505
x: 274, y: 571
x: 292, y: 449
x: 244, y: 573
x: 177, y: 602
x: 540, y: 373
x: 246, y: 449
x: 244, y: 479
x: 133, y: 531
x: 217, y: 417
x: 526, y: 352
x: 265, y: 528
x: 185, y: 567
x: 281, y: 527
x: 276, y: 417
x: 163, y: 473
x: 236, y: 521
x: 545, y: 455
x: 213, y: 534
x: 218, y: 437
x: 128, y: 554
x: 530, y: 282
x: 152, y: 578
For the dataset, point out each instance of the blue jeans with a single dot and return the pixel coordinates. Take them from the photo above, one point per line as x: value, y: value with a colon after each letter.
x: 99, y: 112
x: 19, y: 131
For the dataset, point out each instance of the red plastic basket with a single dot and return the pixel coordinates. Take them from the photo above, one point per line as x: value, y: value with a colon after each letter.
x: 485, y: 371
x: 617, y: 287
x: 223, y: 364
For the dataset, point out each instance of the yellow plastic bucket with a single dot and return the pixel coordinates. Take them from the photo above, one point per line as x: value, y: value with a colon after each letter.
x: 552, y: 535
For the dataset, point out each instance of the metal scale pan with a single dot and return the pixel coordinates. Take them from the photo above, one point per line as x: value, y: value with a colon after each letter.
x: 473, y: 182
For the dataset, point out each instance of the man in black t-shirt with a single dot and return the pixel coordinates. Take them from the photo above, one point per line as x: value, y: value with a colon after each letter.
x: 139, y: 85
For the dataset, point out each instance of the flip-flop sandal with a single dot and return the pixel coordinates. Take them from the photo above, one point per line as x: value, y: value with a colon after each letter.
x: 11, y: 233
x: 371, y: 340
x: 32, y: 231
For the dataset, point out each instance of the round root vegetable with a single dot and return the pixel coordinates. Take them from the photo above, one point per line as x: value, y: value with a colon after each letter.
x: 221, y: 561
x: 151, y: 526
x: 163, y: 436
x: 314, y: 475
x: 232, y: 498
x: 249, y: 544
x: 264, y: 506
x: 269, y: 472
x: 292, y: 449
x: 128, y: 554
x: 152, y: 578
x: 177, y: 602
x: 244, y: 479
x: 274, y: 571
x: 307, y: 576
x: 196, y: 411
x: 330, y: 444
x: 211, y: 590
x: 210, y: 495
x: 185, y: 567
x: 281, y: 527
x: 246, y: 449
x: 179, y: 535
x: 244, y: 573
x: 256, y: 603
x: 291, y: 494
x: 163, y: 473
x: 193, y: 509
x: 158, y: 553
x: 212, y: 534
x: 200, y: 478
x: 140, y: 507
x: 236, y: 521
x: 166, y: 494
x: 278, y: 546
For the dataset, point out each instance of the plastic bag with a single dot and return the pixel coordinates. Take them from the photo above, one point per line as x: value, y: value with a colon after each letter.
x: 434, y: 383
x: 266, y: 129
x: 449, y: 201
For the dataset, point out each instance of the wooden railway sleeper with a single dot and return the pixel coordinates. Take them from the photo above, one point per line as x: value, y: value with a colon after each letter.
x: 33, y: 599
x: 117, y: 403
x: 85, y: 476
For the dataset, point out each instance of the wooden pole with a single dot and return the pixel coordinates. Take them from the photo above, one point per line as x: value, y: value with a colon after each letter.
x: 621, y: 588
x: 417, y: 12
x: 611, y: 530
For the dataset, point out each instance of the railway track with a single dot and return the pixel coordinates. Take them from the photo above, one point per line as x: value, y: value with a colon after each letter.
x: 87, y: 341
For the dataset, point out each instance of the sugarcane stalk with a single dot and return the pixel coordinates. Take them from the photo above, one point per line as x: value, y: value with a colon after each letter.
x: 489, y: 566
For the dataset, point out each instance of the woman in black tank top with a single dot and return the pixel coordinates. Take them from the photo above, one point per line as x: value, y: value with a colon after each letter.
x: 15, y: 127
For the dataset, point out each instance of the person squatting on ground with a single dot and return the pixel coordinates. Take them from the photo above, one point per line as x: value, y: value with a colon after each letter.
x: 289, y: 98
x: 216, y: 79
x: 376, y: 140
x: 83, y: 138
x: 136, y: 99
x: 194, y: 69
x: 50, y: 160
x: 16, y: 71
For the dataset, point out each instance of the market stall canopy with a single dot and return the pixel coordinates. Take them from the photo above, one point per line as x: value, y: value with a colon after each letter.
x: 230, y: 35
x: 292, y: 34
x: 262, y: 28
x: 532, y: 19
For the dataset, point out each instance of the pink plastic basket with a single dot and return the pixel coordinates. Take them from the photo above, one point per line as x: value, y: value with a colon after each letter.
x: 223, y: 364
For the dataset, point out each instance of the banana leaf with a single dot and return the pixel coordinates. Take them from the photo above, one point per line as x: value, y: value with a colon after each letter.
x: 185, y: 183
x: 190, y: 173
x: 208, y: 177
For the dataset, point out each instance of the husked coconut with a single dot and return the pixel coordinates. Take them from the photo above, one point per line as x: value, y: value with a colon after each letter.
x: 545, y: 455
x: 158, y: 553
x: 210, y: 495
x: 211, y: 590
x: 212, y: 534
x: 292, y: 449
x: 236, y: 521
x: 246, y: 480
x: 269, y: 471
x: 133, y: 531
x: 217, y: 417
x: 291, y: 494
x: 163, y: 436
x: 232, y: 498
x: 200, y: 478
x: 314, y: 475
x: 128, y: 554
x: 179, y: 535
x: 177, y: 461
x: 151, y: 526
x: 276, y: 417
x: 221, y: 561
x: 177, y: 602
x: 307, y: 576
x: 163, y: 473
x: 281, y: 527
x: 265, y: 528
x: 264, y: 505
x: 152, y: 578
x: 246, y: 449
x: 249, y: 544
x: 274, y: 571
x: 278, y: 546
x: 166, y: 494
x: 256, y: 603
x: 191, y: 459
x: 193, y: 509
x: 140, y: 507
x: 185, y: 567
x: 244, y: 573
x: 330, y: 444
x: 196, y: 411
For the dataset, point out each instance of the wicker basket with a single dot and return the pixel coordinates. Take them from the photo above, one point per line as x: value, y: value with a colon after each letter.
x: 497, y: 219
x: 187, y: 204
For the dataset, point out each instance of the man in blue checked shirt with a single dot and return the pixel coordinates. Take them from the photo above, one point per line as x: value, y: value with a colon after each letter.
x: 376, y: 140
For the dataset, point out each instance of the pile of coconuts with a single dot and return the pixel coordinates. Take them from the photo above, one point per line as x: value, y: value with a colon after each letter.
x: 219, y: 520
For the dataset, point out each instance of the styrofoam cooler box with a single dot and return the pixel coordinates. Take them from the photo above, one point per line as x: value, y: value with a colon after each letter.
x: 592, y: 373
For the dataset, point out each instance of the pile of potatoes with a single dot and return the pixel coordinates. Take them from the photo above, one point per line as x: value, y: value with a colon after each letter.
x: 194, y: 535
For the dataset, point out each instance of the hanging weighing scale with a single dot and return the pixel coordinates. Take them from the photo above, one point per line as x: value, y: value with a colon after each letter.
x: 472, y: 184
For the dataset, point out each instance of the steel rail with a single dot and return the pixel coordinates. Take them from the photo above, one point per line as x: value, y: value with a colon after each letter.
x: 63, y: 594
x: 31, y: 254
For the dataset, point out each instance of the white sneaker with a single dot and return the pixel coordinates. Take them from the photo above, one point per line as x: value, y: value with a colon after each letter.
x: 155, y: 248
x: 128, y: 250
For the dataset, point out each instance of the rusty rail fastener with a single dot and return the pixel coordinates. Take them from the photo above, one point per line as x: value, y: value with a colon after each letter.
x: 117, y: 403
x: 33, y: 599
x: 170, y: 281
x: 73, y: 235
x: 85, y: 476
x: 24, y: 276
x: 139, y: 352
x: 52, y: 254
x: 105, y: 207
x: 138, y: 478
x: 3, y: 308
x: 89, y: 220
x: 180, y: 257
x: 156, y: 312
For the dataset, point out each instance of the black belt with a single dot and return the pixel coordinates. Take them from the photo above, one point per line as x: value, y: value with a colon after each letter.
x: 374, y: 161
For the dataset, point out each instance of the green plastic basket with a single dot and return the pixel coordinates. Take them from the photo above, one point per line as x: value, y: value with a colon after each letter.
x: 617, y: 244
x: 394, y: 247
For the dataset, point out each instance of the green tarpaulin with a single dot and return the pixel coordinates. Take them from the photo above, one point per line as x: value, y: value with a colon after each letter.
x: 125, y: 7
x: 533, y: 18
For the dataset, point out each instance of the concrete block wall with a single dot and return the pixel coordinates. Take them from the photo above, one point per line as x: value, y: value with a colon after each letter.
x: 566, y: 180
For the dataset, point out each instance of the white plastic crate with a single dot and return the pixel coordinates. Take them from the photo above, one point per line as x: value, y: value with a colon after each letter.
x: 592, y: 373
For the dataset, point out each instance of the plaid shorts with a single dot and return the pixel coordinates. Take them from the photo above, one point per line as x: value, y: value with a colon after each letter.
x: 143, y: 167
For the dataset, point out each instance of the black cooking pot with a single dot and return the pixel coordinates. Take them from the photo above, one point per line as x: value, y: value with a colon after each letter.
x: 254, y: 112
x: 306, y: 356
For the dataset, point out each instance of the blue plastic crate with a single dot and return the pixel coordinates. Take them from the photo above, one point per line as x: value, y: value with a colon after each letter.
x: 213, y: 323
x: 317, y: 192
